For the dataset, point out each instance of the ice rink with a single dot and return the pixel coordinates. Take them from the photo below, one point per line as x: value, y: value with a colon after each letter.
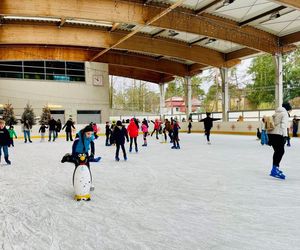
x: 216, y: 197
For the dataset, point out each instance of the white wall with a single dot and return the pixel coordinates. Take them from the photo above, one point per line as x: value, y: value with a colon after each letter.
x: 72, y: 96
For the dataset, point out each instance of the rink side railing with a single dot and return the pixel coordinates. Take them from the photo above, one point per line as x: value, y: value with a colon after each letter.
x: 248, y: 115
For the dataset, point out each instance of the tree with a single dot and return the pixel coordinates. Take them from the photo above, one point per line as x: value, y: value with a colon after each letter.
x: 263, y: 88
x: 9, y: 115
x: 46, y: 115
x: 28, y: 114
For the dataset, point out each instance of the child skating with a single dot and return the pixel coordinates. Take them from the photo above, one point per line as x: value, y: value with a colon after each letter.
x: 119, y: 135
x: 4, y: 141
x: 12, y: 134
x: 42, y: 130
x: 145, y: 132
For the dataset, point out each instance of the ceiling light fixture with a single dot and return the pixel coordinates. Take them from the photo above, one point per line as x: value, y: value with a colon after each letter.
x: 227, y: 2
x: 275, y: 15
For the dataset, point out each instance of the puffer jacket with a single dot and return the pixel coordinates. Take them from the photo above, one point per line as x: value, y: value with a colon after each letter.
x: 133, y: 129
x: 281, y: 120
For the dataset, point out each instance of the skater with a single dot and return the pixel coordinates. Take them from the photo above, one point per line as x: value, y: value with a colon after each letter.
x: 95, y: 128
x: 119, y: 135
x: 69, y: 125
x: 42, y: 130
x: 266, y: 124
x: 12, y: 134
x: 26, y: 129
x: 57, y: 128
x: 189, y: 126
x: 107, y: 134
x: 133, y: 131
x: 208, y: 124
x: 80, y: 149
x: 4, y: 141
x: 145, y: 132
x: 168, y: 127
x: 52, y: 129
x: 288, y: 138
x: 295, y: 126
x: 81, y: 145
x: 157, y: 127
x: 278, y: 136
x: 112, y: 127
x: 175, y: 135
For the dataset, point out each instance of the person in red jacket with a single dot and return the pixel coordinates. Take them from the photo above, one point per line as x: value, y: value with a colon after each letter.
x: 133, y: 131
x: 157, y: 127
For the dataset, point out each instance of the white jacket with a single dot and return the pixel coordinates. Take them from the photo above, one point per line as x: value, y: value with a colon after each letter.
x: 281, y: 120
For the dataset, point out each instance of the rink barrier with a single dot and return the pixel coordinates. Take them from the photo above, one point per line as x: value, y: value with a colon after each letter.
x: 226, y: 128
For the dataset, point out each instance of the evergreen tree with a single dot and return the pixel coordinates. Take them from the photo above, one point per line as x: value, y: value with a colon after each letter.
x: 8, y: 115
x: 29, y: 115
x: 46, y: 115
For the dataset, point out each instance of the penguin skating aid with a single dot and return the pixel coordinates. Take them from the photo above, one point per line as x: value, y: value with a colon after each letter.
x: 82, y: 179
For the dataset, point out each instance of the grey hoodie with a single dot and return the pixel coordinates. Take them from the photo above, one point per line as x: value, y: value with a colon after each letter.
x: 281, y: 120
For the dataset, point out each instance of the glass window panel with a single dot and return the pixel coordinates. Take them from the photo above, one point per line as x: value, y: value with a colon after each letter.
x: 55, y: 64
x: 77, y: 78
x: 34, y: 70
x: 34, y: 76
x: 11, y: 75
x: 51, y: 71
x: 75, y: 65
x: 11, y: 62
x: 34, y: 63
x: 75, y: 72
x: 11, y: 68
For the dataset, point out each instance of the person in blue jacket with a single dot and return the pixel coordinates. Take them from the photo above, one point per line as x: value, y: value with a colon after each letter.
x: 81, y: 145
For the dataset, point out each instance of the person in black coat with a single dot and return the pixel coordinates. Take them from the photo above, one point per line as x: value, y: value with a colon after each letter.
x: 208, y: 124
x: 52, y: 128
x: 69, y: 125
x: 4, y: 141
x: 58, y: 127
x: 107, y: 134
x: 119, y: 135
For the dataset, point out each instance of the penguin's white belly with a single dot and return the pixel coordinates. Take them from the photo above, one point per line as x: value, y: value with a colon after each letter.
x: 82, y: 181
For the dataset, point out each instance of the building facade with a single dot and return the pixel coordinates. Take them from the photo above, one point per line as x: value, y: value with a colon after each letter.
x: 70, y: 89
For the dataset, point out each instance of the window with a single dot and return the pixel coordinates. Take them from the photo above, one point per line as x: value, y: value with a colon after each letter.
x: 43, y: 70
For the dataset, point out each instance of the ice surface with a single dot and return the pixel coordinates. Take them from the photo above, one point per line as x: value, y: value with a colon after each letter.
x: 217, y: 196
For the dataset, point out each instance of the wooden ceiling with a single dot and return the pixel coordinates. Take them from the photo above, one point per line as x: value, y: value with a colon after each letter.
x: 41, y: 29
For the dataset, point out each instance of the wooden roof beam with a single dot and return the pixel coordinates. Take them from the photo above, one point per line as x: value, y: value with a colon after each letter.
x: 82, y: 37
x: 144, y: 75
x: 13, y: 52
x: 205, y: 24
x: 132, y: 33
x: 291, y: 38
x: 295, y: 4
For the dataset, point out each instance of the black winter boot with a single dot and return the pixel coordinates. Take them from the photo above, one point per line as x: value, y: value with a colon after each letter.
x: 7, y: 160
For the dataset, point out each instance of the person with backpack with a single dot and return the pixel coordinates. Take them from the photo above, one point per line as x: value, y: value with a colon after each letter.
x: 277, y: 133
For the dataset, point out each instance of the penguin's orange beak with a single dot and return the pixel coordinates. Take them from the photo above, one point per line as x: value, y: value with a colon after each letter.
x: 82, y: 158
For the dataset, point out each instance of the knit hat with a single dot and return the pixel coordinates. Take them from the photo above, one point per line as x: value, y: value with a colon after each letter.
x: 119, y: 123
x: 88, y: 128
x: 287, y: 106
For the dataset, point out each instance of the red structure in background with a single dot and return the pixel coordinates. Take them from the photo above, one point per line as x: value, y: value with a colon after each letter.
x: 176, y: 105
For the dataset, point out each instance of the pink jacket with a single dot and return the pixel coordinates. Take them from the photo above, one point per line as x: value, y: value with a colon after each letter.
x: 144, y: 128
